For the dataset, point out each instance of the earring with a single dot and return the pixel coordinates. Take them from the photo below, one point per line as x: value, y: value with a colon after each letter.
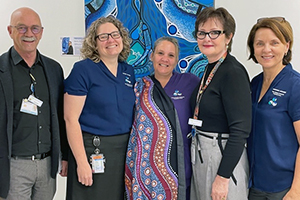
x: 285, y: 54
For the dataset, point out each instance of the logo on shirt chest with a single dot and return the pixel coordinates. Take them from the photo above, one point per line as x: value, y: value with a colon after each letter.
x: 177, y: 95
x: 277, y: 93
x: 127, y: 79
x: 273, y: 101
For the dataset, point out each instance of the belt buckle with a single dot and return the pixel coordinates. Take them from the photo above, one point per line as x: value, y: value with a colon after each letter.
x: 38, y: 157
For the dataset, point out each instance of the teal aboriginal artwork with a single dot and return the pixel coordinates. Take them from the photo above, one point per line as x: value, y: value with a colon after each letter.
x: 148, y: 20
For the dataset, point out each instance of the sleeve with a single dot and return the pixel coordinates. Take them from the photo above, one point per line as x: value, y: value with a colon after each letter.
x: 62, y: 127
x: 77, y: 82
x: 294, y: 101
x: 236, y: 98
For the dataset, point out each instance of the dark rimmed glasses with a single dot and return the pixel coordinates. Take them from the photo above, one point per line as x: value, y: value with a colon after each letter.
x: 104, y: 36
x: 211, y: 34
x: 280, y: 19
x: 35, y: 29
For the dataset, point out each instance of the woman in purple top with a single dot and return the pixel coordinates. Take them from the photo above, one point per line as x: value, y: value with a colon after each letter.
x: 179, y: 89
x: 158, y: 157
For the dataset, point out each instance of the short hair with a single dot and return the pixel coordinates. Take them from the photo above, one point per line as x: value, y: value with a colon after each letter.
x: 281, y: 28
x: 220, y: 14
x: 89, y: 46
x: 169, y: 39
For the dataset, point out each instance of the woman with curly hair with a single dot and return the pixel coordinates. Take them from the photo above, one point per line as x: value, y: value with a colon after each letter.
x: 98, y: 96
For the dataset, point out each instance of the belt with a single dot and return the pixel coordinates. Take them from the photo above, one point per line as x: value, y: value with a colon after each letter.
x: 33, y: 157
x: 219, y: 138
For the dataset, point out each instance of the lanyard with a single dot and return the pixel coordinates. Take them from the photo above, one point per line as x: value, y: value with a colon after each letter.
x: 33, y: 83
x: 202, y: 87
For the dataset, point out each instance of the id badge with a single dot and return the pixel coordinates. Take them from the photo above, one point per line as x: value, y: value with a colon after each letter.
x: 97, y: 161
x: 35, y: 100
x: 28, y: 107
x: 195, y: 122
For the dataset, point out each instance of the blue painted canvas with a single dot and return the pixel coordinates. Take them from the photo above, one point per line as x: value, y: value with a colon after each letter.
x: 148, y: 20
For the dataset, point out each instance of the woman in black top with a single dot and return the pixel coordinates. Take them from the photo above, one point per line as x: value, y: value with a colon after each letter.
x: 222, y: 118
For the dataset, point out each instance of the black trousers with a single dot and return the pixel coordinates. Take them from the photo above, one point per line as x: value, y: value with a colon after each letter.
x: 255, y: 194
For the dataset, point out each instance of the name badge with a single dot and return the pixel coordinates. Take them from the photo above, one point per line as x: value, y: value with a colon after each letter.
x: 35, y: 100
x: 28, y: 107
x: 97, y: 161
x: 195, y: 122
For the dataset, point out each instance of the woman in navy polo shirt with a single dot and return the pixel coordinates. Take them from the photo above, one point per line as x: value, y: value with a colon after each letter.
x: 273, y: 146
x: 99, y: 102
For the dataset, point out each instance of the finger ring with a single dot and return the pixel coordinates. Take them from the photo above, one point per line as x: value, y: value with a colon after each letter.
x: 223, y: 198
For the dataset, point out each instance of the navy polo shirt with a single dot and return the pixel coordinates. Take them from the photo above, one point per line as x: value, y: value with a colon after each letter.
x: 108, y: 108
x: 273, y: 145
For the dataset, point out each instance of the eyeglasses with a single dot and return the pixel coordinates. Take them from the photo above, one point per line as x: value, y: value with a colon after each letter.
x: 23, y: 29
x: 104, y: 36
x: 211, y: 34
x: 280, y: 19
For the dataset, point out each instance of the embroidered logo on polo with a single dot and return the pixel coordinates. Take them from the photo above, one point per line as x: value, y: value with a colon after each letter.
x: 277, y: 93
x: 273, y: 101
x: 127, y: 79
x: 177, y: 95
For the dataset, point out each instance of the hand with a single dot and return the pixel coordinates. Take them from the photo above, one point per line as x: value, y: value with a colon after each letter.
x: 219, y: 189
x: 292, y: 195
x: 85, y: 174
x: 64, y: 168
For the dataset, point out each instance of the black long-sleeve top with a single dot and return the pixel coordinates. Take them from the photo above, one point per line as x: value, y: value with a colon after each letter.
x: 225, y: 107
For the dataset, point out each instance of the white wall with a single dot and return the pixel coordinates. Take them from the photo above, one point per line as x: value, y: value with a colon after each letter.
x: 59, y: 18
x: 66, y: 18
x: 246, y: 12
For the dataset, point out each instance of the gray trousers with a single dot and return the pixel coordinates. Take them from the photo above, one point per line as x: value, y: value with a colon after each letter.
x: 31, y: 180
x: 204, y: 173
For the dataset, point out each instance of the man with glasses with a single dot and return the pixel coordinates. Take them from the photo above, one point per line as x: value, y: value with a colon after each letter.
x: 31, y: 114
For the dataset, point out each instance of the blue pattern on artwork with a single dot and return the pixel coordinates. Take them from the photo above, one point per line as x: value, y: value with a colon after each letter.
x: 151, y: 19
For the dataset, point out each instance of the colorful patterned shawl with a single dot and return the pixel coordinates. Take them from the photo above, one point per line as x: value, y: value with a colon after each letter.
x: 150, y: 172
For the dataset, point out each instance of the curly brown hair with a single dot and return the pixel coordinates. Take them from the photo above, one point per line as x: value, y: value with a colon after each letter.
x: 89, y: 45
